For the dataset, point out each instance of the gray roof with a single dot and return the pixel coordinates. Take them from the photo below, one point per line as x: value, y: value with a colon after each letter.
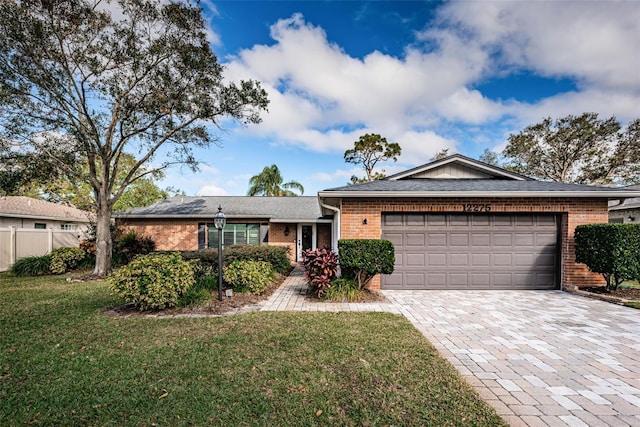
x: 275, y: 209
x: 474, y: 187
x: 27, y: 207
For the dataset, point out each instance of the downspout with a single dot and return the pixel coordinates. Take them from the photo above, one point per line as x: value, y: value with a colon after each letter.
x: 336, y: 224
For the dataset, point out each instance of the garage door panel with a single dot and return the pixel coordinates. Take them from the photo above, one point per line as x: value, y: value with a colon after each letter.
x: 481, y: 251
x: 396, y: 238
x: 481, y: 240
x: 481, y: 260
x: 458, y: 239
x: 415, y: 239
x: 480, y: 280
x: 437, y: 239
x: 502, y: 260
x: 460, y: 280
x: 415, y: 279
x: 436, y: 260
x: 523, y: 239
x: 414, y: 259
x: 459, y: 260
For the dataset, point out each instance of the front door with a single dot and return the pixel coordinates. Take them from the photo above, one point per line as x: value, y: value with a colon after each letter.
x: 306, y: 238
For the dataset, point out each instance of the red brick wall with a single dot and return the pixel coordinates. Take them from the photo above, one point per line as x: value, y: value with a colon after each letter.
x: 324, y: 235
x: 277, y: 237
x: 574, y: 212
x: 169, y: 235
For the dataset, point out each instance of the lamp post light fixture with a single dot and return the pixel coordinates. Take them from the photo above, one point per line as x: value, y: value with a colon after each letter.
x: 219, y: 222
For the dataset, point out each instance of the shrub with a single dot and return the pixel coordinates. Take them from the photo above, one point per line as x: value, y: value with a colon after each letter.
x: 610, y: 249
x: 248, y: 276
x: 362, y: 259
x: 277, y: 256
x: 208, y: 258
x: 342, y: 289
x: 32, y: 266
x: 321, y: 267
x: 154, y: 281
x: 131, y: 244
x: 199, y: 292
x: 65, y: 259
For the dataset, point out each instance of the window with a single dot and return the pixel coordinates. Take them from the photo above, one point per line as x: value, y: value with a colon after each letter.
x: 69, y: 227
x: 616, y: 220
x: 234, y: 234
x: 40, y: 226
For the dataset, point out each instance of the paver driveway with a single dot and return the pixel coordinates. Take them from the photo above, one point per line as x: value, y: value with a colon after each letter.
x: 541, y: 358
x: 538, y: 357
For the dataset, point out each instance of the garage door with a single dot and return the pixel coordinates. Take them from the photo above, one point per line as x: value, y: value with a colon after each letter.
x: 460, y: 251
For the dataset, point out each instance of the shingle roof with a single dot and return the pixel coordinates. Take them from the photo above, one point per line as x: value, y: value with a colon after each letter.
x: 471, y: 185
x: 276, y: 209
x: 26, y: 207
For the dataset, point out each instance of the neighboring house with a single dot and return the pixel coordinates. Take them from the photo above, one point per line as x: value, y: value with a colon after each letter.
x: 25, y: 212
x: 625, y: 211
x: 186, y: 223
x: 31, y: 227
x: 456, y: 223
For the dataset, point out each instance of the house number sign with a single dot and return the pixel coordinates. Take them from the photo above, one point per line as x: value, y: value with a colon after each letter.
x: 476, y: 207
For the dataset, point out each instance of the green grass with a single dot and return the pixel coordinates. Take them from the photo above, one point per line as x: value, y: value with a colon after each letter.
x: 630, y: 284
x: 64, y: 362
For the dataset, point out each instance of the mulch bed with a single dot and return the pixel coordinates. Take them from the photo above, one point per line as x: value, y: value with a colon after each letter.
x: 626, y: 293
x: 238, y: 303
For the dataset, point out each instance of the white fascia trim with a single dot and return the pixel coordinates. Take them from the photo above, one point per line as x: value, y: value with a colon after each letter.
x: 476, y: 194
x: 48, y: 218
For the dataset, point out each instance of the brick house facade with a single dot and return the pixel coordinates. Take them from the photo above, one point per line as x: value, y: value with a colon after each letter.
x: 186, y: 223
x: 458, y: 198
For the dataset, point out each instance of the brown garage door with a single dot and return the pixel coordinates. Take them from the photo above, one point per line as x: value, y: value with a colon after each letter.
x: 459, y: 251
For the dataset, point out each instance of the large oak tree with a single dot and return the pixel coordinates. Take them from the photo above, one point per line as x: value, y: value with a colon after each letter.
x: 87, y: 81
x: 581, y: 149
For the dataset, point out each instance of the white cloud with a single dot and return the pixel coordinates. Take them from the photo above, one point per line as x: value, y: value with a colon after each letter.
x: 211, y: 190
x: 323, y: 99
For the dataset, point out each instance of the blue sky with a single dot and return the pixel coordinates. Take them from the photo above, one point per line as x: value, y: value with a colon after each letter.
x: 428, y: 75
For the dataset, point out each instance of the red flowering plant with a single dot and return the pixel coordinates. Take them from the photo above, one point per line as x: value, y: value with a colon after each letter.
x: 320, y: 267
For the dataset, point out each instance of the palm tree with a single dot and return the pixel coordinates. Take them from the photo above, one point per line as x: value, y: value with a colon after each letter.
x: 269, y: 183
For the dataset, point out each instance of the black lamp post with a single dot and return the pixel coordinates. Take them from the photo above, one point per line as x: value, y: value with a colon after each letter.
x: 219, y: 222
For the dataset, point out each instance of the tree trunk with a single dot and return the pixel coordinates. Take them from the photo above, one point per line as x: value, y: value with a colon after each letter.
x: 104, y: 244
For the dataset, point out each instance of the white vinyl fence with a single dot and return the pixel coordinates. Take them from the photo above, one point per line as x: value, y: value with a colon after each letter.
x: 17, y: 243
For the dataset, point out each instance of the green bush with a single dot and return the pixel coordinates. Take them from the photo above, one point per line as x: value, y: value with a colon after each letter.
x: 131, y: 244
x: 32, y: 266
x: 154, y: 281
x: 65, y: 259
x: 362, y: 259
x: 342, y: 289
x: 277, y: 256
x: 248, y: 276
x: 208, y: 258
x: 612, y: 250
x: 200, y: 292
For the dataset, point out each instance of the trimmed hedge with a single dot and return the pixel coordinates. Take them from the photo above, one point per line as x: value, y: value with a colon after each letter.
x: 612, y: 250
x: 248, y: 276
x: 362, y: 259
x: 277, y: 256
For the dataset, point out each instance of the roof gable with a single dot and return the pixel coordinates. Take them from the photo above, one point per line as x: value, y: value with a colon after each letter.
x: 457, y: 166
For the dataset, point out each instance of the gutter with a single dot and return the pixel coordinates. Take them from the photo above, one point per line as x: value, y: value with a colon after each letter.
x: 337, y: 217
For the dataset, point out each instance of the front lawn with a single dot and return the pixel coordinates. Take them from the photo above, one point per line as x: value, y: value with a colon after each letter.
x: 64, y: 362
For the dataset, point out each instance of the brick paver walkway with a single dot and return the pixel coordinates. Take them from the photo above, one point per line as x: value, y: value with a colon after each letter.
x: 540, y: 358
